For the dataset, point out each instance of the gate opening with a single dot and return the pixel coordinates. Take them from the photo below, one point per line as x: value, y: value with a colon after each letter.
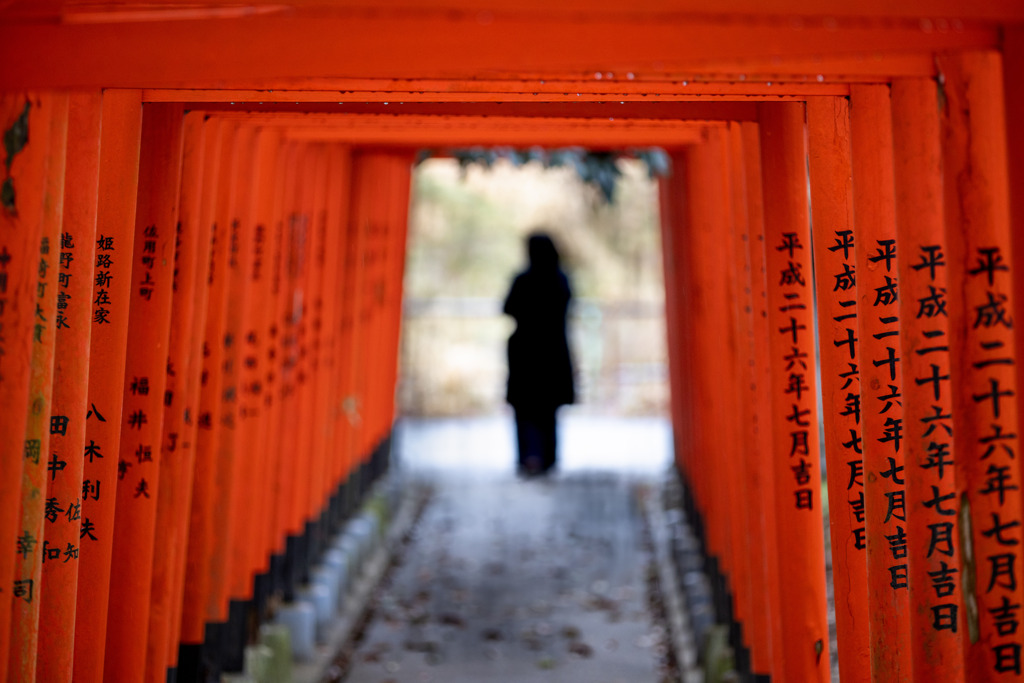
x: 468, y: 225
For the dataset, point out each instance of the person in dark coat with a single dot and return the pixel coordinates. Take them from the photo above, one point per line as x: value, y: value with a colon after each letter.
x: 540, y: 374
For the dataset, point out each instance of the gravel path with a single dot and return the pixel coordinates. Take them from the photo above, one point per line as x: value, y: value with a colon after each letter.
x: 518, y: 580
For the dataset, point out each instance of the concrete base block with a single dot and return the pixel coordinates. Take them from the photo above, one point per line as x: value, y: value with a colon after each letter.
x: 361, y: 529
x: 300, y: 619
x: 349, y: 546
x: 321, y: 597
x: 277, y: 638
x: 236, y: 678
x: 336, y: 563
x: 329, y: 577
x: 335, y: 557
x: 380, y: 509
x: 258, y: 660
x: 374, y: 518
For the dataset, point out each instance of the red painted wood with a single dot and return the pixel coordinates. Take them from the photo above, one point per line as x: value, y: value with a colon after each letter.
x: 138, y: 482
x: 982, y: 359
x: 936, y: 617
x: 193, y: 215
x: 20, y: 233
x: 256, y: 395
x: 198, y: 606
x: 115, y: 234
x: 76, y: 253
x: 38, y: 472
x: 176, y: 452
x: 882, y: 424
x: 252, y: 279
x: 296, y: 49
x: 802, y: 605
x: 828, y: 121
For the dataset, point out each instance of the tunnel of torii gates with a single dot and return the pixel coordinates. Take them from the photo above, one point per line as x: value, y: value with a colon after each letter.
x: 201, y: 256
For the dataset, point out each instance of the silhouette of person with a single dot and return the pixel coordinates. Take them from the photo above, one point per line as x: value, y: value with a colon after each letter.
x: 540, y: 374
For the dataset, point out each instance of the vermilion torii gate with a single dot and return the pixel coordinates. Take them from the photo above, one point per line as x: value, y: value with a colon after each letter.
x: 201, y: 250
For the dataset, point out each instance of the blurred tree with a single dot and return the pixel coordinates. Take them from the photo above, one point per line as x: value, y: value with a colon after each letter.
x: 600, y: 170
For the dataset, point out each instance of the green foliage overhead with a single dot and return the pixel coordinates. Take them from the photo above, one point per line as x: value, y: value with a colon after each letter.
x: 600, y: 170
x: 16, y: 137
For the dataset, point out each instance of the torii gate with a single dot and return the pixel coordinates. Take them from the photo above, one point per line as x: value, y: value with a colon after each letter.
x: 201, y: 247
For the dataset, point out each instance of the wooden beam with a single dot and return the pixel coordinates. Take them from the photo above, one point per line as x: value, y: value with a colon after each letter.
x: 454, y: 131
x: 938, y: 12
x: 289, y: 48
x: 607, y: 88
x: 525, y: 111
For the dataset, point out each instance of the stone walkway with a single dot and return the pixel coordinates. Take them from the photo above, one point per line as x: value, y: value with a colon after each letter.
x: 518, y: 580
